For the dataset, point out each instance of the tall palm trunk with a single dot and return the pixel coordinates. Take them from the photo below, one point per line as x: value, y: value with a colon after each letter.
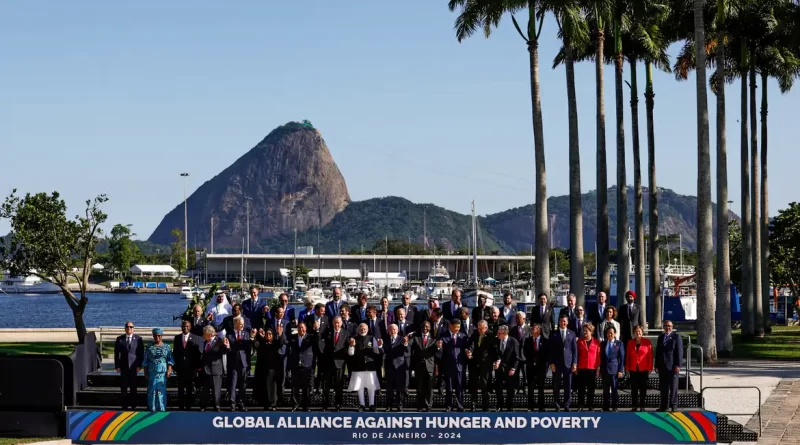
x: 755, y: 210
x: 541, y: 235
x: 603, y: 279
x: 576, y: 282
x: 638, y: 216
x: 706, y: 337
x: 747, y: 259
x: 723, y: 310
x: 623, y: 270
x: 765, y: 281
x: 655, y: 267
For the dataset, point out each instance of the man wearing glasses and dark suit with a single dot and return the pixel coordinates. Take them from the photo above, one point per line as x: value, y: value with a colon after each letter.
x: 128, y: 356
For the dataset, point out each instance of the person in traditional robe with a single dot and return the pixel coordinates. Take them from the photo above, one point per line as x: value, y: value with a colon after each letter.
x: 364, y: 352
x: 157, y: 365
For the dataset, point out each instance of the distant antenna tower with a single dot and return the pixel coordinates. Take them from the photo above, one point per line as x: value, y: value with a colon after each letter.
x: 551, y: 230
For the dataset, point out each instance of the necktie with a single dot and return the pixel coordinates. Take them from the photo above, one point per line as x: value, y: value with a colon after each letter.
x: 666, y: 337
x: 563, y: 335
x: 602, y: 310
x: 424, y: 341
x: 630, y: 310
x: 208, y: 346
x: 480, y: 340
x: 393, y: 339
x: 536, y: 344
x: 238, y: 335
x: 184, y: 342
x: 502, y: 346
x: 370, y: 324
x: 300, y: 341
x: 608, y: 350
x: 363, y: 313
x: 520, y: 332
x: 541, y: 311
x: 129, y: 343
x: 336, y: 338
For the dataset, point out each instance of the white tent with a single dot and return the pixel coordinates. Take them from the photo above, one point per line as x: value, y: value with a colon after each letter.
x: 98, y: 266
x: 153, y: 270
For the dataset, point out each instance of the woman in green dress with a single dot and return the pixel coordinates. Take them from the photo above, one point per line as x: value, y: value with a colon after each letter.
x: 157, y: 367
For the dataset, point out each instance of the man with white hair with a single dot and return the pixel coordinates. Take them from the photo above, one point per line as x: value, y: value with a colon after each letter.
x: 480, y: 355
x: 397, y: 352
x: 506, y: 364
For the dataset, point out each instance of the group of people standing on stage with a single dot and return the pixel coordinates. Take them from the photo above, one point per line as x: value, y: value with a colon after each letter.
x: 482, y: 350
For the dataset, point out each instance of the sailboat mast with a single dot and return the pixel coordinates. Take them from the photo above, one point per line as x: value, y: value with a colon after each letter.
x: 474, y: 247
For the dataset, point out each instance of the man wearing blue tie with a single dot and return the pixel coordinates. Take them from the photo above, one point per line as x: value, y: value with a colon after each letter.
x: 253, y: 309
x: 612, y: 365
x: 333, y: 306
x: 669, y: 350
x: 563, y: 361
x: 454, y: 363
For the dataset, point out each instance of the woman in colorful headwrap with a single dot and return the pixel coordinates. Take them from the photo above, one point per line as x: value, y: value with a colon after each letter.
x: 157, y: 367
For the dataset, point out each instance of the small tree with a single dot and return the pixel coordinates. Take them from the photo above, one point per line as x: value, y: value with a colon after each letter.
x: 784, y: 245
x: 123, y: 251
x: 178, y: 258
x: 45, y: 243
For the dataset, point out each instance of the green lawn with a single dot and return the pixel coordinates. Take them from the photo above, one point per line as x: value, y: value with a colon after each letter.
x: 36, y: 348
x: 782, y: 344
x: 16, y: 441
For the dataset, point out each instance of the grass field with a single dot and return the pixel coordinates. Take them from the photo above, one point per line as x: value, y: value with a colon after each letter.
x: 15, y: 441
x: 36, y: 348
x: 782, y: 344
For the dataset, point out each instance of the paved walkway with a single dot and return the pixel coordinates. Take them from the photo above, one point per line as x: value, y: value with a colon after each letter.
x: 780, y: 415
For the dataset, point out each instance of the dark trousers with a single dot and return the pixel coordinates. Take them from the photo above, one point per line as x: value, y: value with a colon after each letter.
x: 522, y: 372
x: 210, y: 383
x: 480, y: 379
x: 424, y: 388
x: 453, y: 382
x: 333, y: 378
x: 668, y: 385
x: 586, y: 386
x: 272, y: 385
x: 639, y: 388
x: 280, y: 379
x: 186, y: 388
x: 536, y: 384
x: 562, y: 373
x: 395, y: 387
x: 237, y: 383
x: 128, y: 387
x: 505, y: 386
x: 301, y: 382
x: 610, y: 391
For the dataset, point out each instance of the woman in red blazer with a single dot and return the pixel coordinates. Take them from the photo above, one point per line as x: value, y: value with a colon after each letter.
x: 588, y: 367
x: 638, y: 363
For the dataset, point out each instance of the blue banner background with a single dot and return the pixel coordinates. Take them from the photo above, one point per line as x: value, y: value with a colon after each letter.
x: 371, y: 428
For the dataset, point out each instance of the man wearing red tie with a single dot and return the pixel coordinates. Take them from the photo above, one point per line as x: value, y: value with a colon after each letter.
x: 335, y: 357
x: 239, y: 347
x: 423, y: 355
x: 186, y: 355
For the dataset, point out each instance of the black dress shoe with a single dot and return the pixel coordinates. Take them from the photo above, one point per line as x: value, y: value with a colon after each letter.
x: 614, y: 410
x: 542, y: 410
x: 566, y: 409
x: 216, y: 408
x: 295, y: 408
x: 662, y: 410
x: 373, y: 409
x: 202, y: 410
x: 558, y: 408
x: 361, y: 409
x: 448, y: 409
x: 530, y: 410
x: 461, y: 410
x: 634, y: 409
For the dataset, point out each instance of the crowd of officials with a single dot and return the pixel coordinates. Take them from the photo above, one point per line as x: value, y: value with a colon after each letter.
x: 450, y: 348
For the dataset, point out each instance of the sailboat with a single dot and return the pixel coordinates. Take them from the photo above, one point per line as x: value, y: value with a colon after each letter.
x: 472, y: 293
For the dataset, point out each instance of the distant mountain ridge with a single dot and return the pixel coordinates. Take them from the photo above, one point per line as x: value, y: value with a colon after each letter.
x: 293, y: 182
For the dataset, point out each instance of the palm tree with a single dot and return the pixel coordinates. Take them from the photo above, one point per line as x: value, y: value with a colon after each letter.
x: 620, y: 10
x: 706, y: 336
x: 485, y: 14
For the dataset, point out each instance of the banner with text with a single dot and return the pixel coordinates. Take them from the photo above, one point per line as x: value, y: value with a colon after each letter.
x: 394, y: 428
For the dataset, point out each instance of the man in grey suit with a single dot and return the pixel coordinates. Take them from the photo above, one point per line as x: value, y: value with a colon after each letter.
x: 128, y: 356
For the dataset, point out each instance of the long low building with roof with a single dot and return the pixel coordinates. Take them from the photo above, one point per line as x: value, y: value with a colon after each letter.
x: 153, y: 270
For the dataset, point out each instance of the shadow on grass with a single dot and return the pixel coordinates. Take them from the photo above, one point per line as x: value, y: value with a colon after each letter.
x: 36, y: 348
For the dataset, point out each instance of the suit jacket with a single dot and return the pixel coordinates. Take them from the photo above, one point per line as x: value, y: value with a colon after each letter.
x: 350, y: 327
x: 510, y: 317
x: 481, y: 313
x: 453, y: 354
x: 358, y: 314
x: 467, y: 328
x: 571, y: 316
x: 198, y: 324
x: 211, y: 359
x: 125, y: 357
x: 563, y: 353
x: 577, y: 325
x: 628, y: 321
x: 443, y: 329
x: 447, y: 310
x: 411, y: 315
x: 376, y: 330
x: 483, y: 353
x: 669, y: 353
x: 332, y: 308
x: 303, y: 314
x: 614, y: 362
x: 595, y: 314
x: 600, y: 332
x: 336, y: 352
x: 493, y: 325
x: 396, y: 355
x: 273, y: 324
x: 509, y: 357
x: 186, y: 357
x: 301, y: 354
x: 520, y: 337
x: 536, y: 359
x: 366, y: 354
x: 544, y: 320
x: 270, y: 355
x: 253, y: 313
x: 423, y: 356
x: 240, y: 350
x: 324, y: 325
x: 588, y: 356
x: 640, y: 358
x: 404, y: 329
x: 288, y: 314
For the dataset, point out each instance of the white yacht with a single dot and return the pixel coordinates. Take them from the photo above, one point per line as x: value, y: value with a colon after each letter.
x: 186, y: 293
x: 300, y: 285
x: 351, y: 286
x: 335, y: 283
x: 438, y: 284
x: 315, y: 295
x: 31, y: 284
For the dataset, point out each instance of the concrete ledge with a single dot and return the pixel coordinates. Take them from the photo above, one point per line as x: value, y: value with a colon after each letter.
x: 52, y: 442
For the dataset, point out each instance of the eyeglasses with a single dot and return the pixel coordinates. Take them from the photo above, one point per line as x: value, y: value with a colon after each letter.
x: 284, y: 301
x: 129, y: 327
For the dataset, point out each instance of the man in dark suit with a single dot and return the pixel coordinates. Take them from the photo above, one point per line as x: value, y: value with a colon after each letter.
x: 333, y: 306
x: 506, y: 356
x: 426, y: 314
x: 397, y: 353
x: 467, y: 324
x: 253, y: 309
x: 576, y: 325
x: 536, y: 357
x: 543, y: 315
x: 563, y: 348
x: 454, y: 363
x: 439, y: 326
x: 360, y: 312
x: 308, y: 311
x: 301, y: 362
x: 669, y: 351
x: 481, y: 360
x: 612, y: 365
x: 186, y: 354
x: 239, y: 347
x: 335, y: 357
x: 481, y: 311
x: 628, y: 317
x: 424, y: 355
x: 198, y: 321
x: 495, y: 320
x: 347, y: 324
x: 411, y: 312
x: 288, y: 312
x: 520, y: 332
x: 571, y: 311
x: 278, y: 318
x: 508, y: 311
x: 128, y: 356
x: 450, y: 308
x: 597, y: 313
x: 211, y: 351
x: 318, y: 324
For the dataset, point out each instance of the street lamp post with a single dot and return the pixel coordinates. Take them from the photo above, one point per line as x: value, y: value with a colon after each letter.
x: 185, y: 225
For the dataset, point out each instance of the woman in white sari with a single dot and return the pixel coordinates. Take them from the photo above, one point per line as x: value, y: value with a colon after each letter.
x: 364, y: 353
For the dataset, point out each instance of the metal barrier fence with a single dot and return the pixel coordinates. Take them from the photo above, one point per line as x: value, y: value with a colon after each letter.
x: 758, y: 413
x: 688, y: 370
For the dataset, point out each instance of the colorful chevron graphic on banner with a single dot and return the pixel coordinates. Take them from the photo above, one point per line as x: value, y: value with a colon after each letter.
x: 110, y: 426
x: 685, y: 426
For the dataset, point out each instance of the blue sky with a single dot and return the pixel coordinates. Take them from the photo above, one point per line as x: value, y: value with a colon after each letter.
x: 119, y: 98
